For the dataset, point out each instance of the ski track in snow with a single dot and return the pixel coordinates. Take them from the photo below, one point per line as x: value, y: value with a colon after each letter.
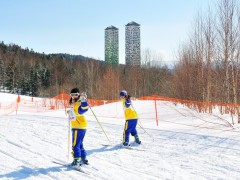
x: 30, y: 142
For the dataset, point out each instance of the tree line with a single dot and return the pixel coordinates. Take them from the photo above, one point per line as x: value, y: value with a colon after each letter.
x: 24, y: 71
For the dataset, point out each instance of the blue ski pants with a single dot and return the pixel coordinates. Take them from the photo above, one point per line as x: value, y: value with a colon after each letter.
x: 77, y: 143
x: 130, y: 128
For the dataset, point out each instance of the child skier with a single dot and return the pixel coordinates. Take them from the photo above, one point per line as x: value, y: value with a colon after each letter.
x: 79, y: 106
x: 131, y: 119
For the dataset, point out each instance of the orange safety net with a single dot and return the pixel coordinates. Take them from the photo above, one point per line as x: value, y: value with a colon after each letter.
x: 61, y: 101
x: 206, y: 107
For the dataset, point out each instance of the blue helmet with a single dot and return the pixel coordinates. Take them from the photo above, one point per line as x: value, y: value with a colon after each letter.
x: 123, y: 93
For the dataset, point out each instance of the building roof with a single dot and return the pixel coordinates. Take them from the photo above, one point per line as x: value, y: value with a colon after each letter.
x: 111, y: 27
x: 133, y: 24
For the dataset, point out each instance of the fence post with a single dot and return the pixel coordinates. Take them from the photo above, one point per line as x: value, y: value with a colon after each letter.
x: 18, y: 101
x: 155, y: 101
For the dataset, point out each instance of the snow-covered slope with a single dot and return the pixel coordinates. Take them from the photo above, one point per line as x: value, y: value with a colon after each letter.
x: 184, y: 145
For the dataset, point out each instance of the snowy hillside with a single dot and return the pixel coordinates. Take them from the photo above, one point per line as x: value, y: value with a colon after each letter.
x: 184, y: 145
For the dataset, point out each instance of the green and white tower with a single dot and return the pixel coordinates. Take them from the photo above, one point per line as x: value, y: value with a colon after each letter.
x: 132, y: 44
x: 111, y: 45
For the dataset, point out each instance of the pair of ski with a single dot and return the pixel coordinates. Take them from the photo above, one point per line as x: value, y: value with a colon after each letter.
x: 80, y: 168
x: 131, y: 146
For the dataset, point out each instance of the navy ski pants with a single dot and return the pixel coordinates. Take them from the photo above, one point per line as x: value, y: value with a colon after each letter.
x: 77, y: 143
x: 130, y: 128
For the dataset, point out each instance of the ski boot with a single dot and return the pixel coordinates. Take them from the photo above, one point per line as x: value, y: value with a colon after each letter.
x: 84, y: 161
x: 126, y: 144
x: 137, y: 139
x: 76, y: 163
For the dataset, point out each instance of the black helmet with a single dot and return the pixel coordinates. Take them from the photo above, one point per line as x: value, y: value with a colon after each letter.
x: 75, y: 90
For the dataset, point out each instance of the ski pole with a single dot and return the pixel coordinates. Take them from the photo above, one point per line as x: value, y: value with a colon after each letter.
x: 99, y: 123
x: 69, y: 129
x: 140, y: 124
x: 69, y: 137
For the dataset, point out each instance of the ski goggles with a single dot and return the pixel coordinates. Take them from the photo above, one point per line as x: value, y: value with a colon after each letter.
x: 74, y: 94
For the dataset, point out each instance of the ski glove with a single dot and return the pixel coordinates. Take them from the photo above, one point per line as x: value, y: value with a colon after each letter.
x: 83, y: 97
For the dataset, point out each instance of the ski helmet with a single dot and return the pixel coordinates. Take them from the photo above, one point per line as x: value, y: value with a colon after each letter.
x: 75, y: 90
x: 123, y: 93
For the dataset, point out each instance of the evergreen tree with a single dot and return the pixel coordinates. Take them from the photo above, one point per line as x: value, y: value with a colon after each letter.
x: 34, y: 84
x: 11, y: 76
x: 1, y: 74
x: 45, y: 77
x: 23, y: 85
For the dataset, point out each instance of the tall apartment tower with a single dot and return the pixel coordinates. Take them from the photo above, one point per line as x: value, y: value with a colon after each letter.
x: 132, y: 44
x: 111, y: 45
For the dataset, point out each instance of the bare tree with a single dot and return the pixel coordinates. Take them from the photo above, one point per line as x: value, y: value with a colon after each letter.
x: 226, y: 41
x: 209, y: 38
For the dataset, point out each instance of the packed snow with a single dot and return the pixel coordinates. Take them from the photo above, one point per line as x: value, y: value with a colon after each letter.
x: 185, y: 144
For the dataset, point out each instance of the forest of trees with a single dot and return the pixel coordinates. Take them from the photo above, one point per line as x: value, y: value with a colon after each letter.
x: 206, y: 69
x: 26, y: 72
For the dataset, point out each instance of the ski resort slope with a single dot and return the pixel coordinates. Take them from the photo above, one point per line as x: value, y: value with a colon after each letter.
x: 184, y: 145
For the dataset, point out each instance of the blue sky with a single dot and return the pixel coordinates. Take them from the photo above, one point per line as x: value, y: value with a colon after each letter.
x: 77, y: 26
